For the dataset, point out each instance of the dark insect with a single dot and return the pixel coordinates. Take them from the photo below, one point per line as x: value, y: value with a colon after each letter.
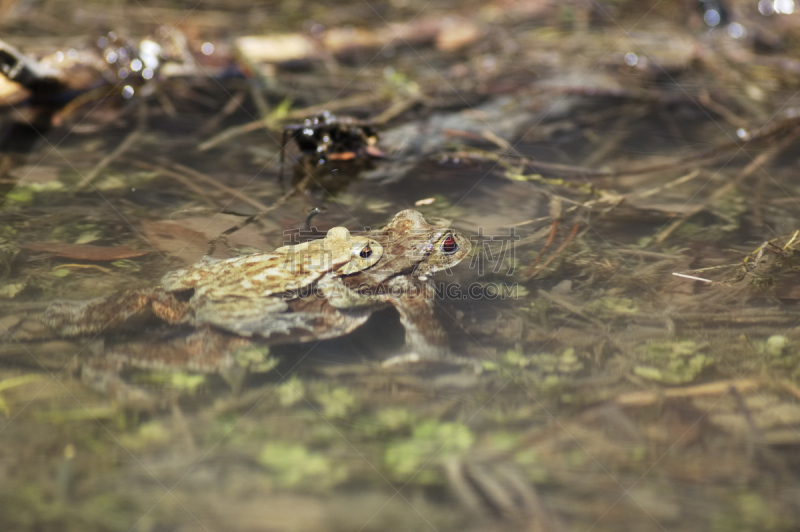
x: 326, y: 137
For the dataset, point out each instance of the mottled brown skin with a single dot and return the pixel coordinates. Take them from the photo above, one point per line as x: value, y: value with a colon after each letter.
x: 236, y: 294
x: 413, y: 250
x: 72, y: 318
x: 220, y: 294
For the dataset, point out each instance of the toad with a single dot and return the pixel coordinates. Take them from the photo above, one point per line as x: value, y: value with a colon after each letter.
x: 318, y: 290
x: 237, y: 295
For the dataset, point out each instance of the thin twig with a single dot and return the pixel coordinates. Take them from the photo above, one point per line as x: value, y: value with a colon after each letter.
x: 166, y: 104
x: 212, y: 245
x: 620, y: 131
x: 558, y: 251
x: 704, y: 98
x: 700, y: 158
x: 235, y: 194
x: 712, y: 389
x: 756, y: 199
x: 233, y: 103
x: 181, y: 178
x: 790, y: 387
x: 397, y: 108
x: 529, y: 273
x: 762, y: 158
x: 692, y: 277
x: 259, y: 100
x: 123, y: 147
x: 355, y: 100
x: 65, y: 112
x: 570, y: 307
x: 231, y: 133
x: 675, y: 182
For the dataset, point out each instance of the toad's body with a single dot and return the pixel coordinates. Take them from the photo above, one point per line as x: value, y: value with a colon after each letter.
x: 228, y: 294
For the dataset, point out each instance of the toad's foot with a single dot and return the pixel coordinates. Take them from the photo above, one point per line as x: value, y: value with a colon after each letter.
x: 426, y: 339
x: 436, y: 358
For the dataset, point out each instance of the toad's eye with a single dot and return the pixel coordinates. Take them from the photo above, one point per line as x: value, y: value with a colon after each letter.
x: 449, y: 245
x: 366, y: 252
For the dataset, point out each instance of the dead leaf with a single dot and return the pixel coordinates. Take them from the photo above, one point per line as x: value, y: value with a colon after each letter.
x: 11, y: 93
x: 455, y: 33
x: 339, y: 40
x: 85, y: 251
x: 276, y: 48
x: 30, y: 174
x: 188, y: 238
x: 343, y: 41
x: 9, y: 322
x: 177, y: 240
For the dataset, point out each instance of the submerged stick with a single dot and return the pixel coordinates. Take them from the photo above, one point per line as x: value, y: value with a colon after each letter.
x: 123, y: 147
x: 181, y: 178
x: 208, y: 180
x: 212, y: 245
x: 712, y: 389
x: 233, y: 103
x: 558, y: 251
x: 764, y: 157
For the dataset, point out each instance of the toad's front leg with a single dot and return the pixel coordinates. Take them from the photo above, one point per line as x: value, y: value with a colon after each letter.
x: 426, y: 339
x: 424, y: 333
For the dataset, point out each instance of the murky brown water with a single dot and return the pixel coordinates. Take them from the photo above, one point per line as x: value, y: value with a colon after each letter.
x: 589, y: 150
